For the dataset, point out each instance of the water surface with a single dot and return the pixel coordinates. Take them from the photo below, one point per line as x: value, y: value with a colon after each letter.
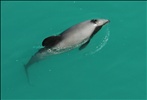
x: 112, y: 66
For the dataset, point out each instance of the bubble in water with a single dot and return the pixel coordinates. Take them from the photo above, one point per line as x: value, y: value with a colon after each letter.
x: 37, y: 47
x: 50, y: 70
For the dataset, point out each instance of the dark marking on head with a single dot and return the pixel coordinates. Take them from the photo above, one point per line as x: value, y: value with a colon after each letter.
x: 95, y: 31
x: 93, y: 21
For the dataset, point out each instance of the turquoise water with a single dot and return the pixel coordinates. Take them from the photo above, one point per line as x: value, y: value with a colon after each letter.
x: 112, y: 66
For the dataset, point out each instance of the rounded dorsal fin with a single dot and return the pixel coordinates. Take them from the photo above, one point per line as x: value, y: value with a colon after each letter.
x: 51, y: 41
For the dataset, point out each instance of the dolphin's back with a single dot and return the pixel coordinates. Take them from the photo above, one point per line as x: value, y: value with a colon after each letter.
x: 75, y: 35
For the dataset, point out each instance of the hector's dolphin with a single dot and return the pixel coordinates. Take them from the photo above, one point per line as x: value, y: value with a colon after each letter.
x: 78, y: 35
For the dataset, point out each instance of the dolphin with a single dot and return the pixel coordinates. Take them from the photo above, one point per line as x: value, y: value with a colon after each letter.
x: 78, y: 35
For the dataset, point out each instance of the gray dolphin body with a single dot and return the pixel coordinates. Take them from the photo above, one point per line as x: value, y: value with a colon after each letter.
x: 78, y: 35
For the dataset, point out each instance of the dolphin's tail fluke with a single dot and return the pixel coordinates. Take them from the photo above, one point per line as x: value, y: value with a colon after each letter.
x: 26, y: 72
x: 35, y: 58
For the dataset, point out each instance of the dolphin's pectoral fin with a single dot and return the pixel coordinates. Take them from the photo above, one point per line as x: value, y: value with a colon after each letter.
x: 51, y: 41
x: 84, y: 45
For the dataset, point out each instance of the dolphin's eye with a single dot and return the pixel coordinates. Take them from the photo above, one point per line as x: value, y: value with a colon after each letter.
x: 94, y: 21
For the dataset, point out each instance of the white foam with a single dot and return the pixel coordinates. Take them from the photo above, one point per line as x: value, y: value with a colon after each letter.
x: 102, y: 44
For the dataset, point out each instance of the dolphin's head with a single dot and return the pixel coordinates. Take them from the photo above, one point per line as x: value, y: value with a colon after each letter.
x: 99, y: 22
